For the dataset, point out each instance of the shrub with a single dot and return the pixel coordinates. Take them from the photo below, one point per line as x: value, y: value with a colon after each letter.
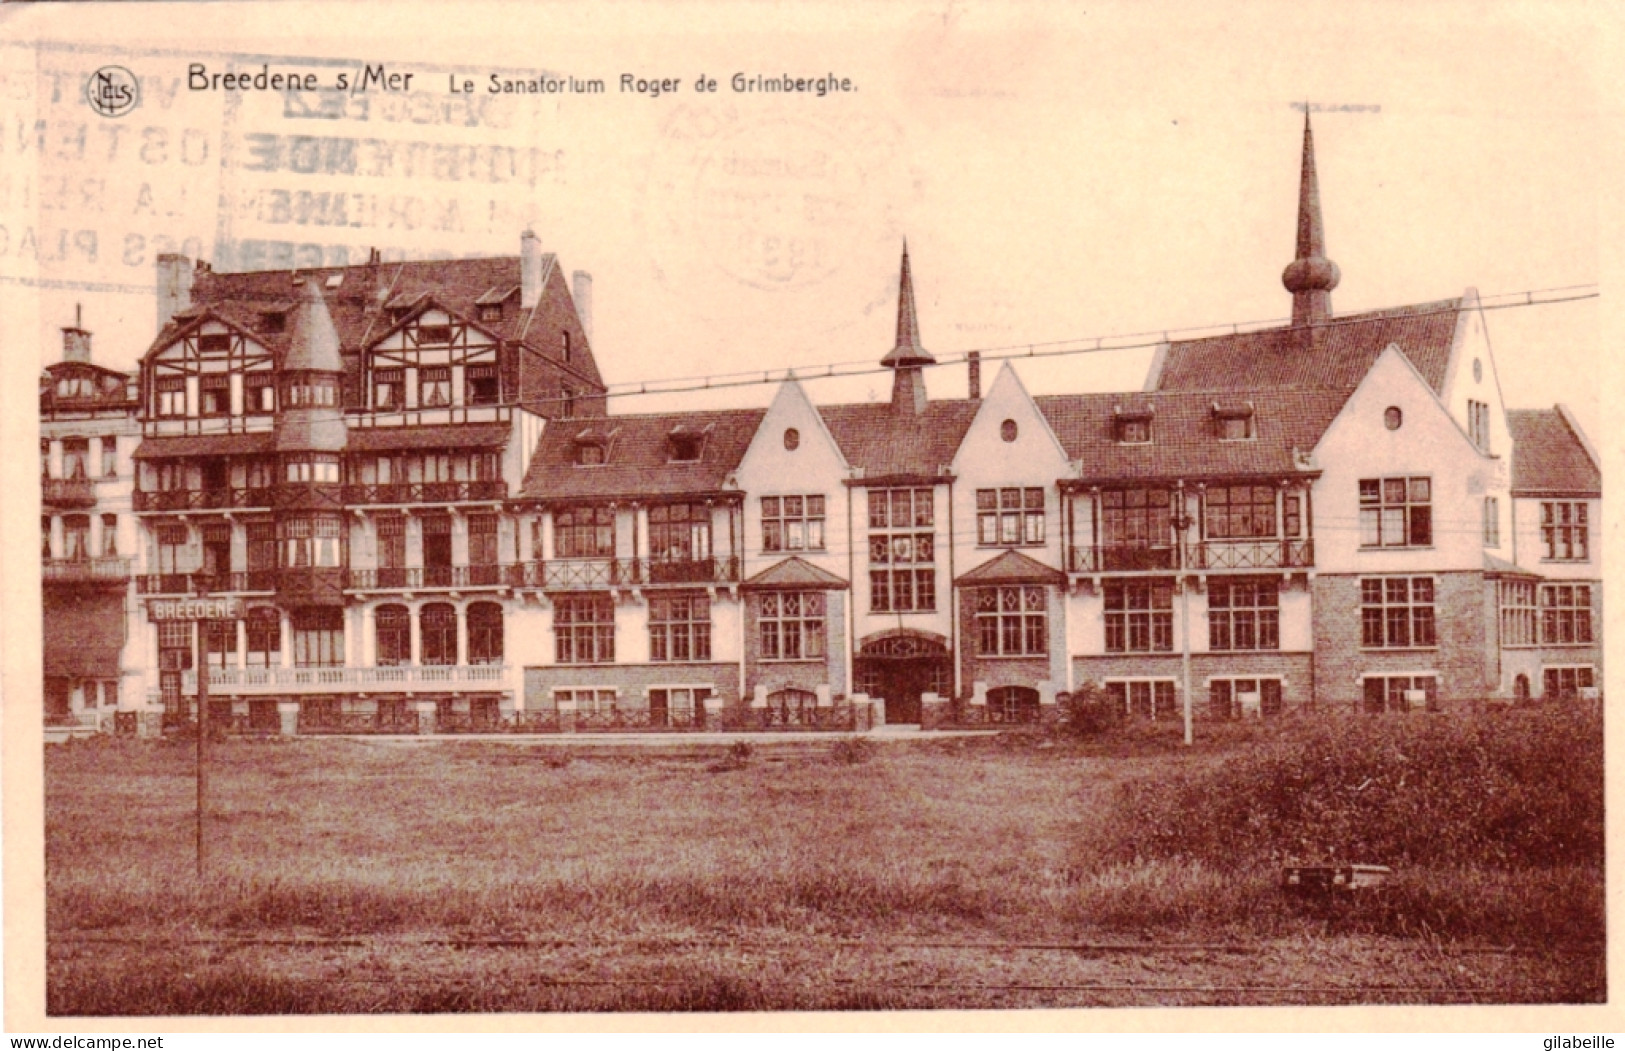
x: 852, y: 750
x: 1503, y: 788
x: 1088, y: 712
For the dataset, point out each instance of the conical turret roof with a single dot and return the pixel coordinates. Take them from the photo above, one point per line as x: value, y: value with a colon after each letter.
x: 313, y: 342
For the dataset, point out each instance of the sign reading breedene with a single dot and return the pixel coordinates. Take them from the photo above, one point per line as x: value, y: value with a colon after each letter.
x: 223, y: 608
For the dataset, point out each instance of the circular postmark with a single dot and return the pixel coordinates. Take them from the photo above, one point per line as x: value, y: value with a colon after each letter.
x: 112, y: 91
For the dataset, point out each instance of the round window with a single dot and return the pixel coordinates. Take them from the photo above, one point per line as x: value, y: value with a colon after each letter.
x: 792, y: 438
x: 1393, y: 417
x: 1007, y: 430
x: 1478, y: 371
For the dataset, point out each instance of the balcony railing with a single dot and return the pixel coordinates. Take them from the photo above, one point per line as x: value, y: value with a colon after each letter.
x: 86, y: 571
x: 557, y: 575
x: 400, y: 678
x: 425, y: 492
x: 1123, y: 558
x: 218, y: 583
x: 1250, y: 554
x: 67, y: 492
x: 204, y: 499
x: 1203, y: 555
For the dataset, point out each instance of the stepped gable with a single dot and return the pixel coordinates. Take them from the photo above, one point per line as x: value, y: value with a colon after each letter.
x: 638, y: 450
x: 1341, y: 352
x: 1549, y: 455
x: 1185, y: 440
x: 888, y: 444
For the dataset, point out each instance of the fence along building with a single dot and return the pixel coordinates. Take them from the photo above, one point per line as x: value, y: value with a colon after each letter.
x: 1335, y: 511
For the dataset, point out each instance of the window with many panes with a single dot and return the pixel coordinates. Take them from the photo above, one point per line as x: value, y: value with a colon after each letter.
x: 76, y: 458
x: 1009, y: 516
x: 1135, y: 518
x: 214, y: 394
x: 1399, y: 693
x: 388, y: 389
x: 679, y: 532
x: 318, y: 468
x: 259, y: 392
x: 1565, y: 614
x: 589, y: 701
x: 220, y: 642
x: 485, y: 633
x: 584, y: 629
x: 312, y: 542
x: 583, y: 532
x: 172, y: 541
x: 1568, y: 682
x: 792, y: 523
x: 1244, y: 698
x: 1243, y: 613
x: 392, y: 627
x: 434, y: 387
x: 1147, y: 698
x: 1397, y: 612
x: 318, y: 637
x: 437, y: 634
x: 1517, y: 602
x: 680, y: 626
x: 791, y: 625
x: 391, y: 542
x: 171, y: 394
x: 1139, y: 616
x: 1492, y: 521
x: 482, y: 540
x: 1565, y: 531
x: 1012, y: 621
x: 1233, y: 512
x: 1396, y: 512
x: 902, y: 551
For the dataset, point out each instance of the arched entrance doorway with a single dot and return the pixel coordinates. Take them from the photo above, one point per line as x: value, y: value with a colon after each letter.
x: 900, y: 665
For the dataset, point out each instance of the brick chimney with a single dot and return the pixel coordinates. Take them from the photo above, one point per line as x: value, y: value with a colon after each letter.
x: 530, y: 269
x: 582, y: 293
x: 174, y: 286
x: 973, y: 361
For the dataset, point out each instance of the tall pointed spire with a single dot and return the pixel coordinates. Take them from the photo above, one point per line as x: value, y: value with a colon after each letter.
x: 1310, y: 277
x: 907, y: 357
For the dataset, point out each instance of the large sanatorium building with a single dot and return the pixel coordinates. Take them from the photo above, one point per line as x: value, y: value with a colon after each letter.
x: 408, y: 474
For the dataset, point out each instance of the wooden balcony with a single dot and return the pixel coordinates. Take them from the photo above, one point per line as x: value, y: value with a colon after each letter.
x: 67, y: 492
x: 253, y: 580
x: 204, y: 499
x: 434, y: 678
x: 110, y: 572
x: 426, y: 492
x: 1209, y: 555
x: 1123, y: 558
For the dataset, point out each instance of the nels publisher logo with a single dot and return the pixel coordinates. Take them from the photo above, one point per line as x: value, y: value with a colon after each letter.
x: 112, y: 91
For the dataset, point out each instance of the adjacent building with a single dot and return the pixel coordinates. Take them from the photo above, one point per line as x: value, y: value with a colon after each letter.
x: 408, y: 474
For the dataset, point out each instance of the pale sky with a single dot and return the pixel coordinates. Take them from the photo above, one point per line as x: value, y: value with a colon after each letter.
x: 1059, y: 172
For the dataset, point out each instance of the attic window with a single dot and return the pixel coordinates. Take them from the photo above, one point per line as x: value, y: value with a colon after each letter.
x: 396, y: 314
x: 589, y: 454
x: 1131, y: 427
x: 1234, y: 423
x: 685, y: 448
x: 273, y: 321
x: 490, y: 311
x: 434, y: 334
x: 214, y: 343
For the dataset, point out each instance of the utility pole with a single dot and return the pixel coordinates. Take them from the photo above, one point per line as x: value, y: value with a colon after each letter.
x: 202, y: 664
x: 1182, y: 522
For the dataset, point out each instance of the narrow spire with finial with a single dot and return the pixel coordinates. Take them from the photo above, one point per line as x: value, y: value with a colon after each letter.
x: 908, y: 357
x: 1310, y: 277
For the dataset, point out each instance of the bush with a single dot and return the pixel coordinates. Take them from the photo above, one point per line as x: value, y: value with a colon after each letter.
x: 1502, y: 788
x: 852, y: 750
x: 1088, y: 712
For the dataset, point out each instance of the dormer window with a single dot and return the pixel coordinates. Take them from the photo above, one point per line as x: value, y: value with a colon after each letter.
x: 589, y: 454
x: 685, y: 447
x: 1131, y: 427
x: 491, y: 312
x: 1234, y: 423
x: 398, y: 314
x: 273, y: 321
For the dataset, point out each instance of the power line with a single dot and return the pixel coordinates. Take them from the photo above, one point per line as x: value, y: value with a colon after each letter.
x: 1145, y: 340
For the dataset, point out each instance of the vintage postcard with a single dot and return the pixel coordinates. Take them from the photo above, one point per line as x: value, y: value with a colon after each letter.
x: 746, y: 509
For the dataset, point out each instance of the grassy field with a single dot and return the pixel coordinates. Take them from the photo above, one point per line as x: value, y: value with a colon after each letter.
x: 354, y: 875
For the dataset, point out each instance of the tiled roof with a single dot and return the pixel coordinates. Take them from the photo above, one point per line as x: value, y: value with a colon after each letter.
x: 1012, y: 567
x: 638, y: 459
x: 452, y: 436
x: 886, y: 443
x: 355, y: 303
x: 794, y: 572
x: 1342, y: 353
x: 257, y: 442
x: 1185, y: 439
x: 1500, y: 567
x: 1548, y: 456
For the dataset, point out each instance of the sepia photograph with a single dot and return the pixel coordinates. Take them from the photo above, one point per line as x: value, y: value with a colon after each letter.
x: 738, y: 509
